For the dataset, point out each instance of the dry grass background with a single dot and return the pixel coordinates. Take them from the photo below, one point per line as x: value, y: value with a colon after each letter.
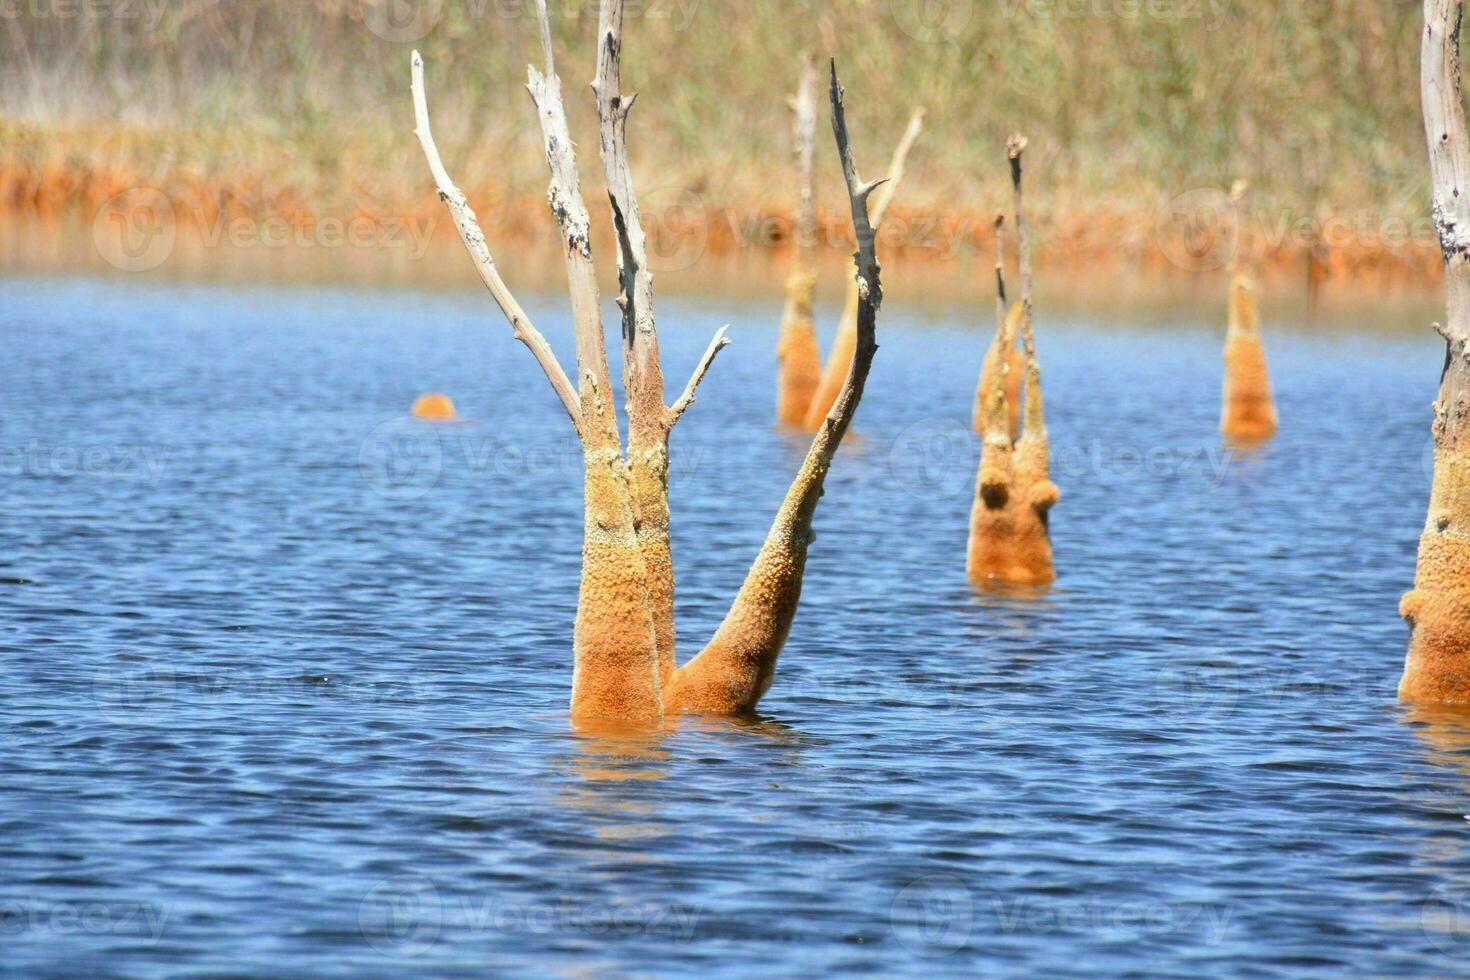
x: 301, y: 108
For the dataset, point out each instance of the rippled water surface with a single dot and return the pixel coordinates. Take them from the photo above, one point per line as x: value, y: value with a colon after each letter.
x: 285, y: 674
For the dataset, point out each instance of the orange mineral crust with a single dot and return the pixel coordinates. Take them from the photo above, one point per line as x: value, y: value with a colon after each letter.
x: 1031, y: 558
x: 615, y: 658
x: 993, y: 512
x: 838, y: 361
x: 798, y: 355
x: 990, y: 375
x: 1437, y: 609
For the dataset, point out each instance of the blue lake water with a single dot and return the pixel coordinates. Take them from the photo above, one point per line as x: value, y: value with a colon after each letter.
x: 285, y: 674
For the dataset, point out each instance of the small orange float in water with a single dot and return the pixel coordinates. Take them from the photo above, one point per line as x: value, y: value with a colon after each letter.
x: 433, y: 405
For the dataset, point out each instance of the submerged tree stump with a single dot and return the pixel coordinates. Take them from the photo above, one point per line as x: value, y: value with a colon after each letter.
x: 1437, y: 609
x: 1010, y: 534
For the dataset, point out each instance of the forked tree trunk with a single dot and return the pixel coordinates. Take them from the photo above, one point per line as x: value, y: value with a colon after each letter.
x: 846, y: 340
x: 1437, y: 668
x: 1010, y: 539
x: 624, y: 667
x: 799, y: 357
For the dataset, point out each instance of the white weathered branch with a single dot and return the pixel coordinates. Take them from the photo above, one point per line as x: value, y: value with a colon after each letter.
x: 804, y: 132
x: 565, y: 198
x: 870, y: 291
x: 1449, y: 156
x: 1015, y: 146
x: 897, y: 167
x: 717, y: 344
x: 474, y: 242
x: 642, y: 373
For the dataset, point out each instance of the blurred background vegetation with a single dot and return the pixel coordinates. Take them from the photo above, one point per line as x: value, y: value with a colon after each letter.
x: 261, y: 105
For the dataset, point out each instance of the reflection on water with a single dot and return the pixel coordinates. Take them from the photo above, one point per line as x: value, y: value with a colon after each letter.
x: 286, y: 671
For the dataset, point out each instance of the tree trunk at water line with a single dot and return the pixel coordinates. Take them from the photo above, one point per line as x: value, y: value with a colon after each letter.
x: 798, y: 356
x: 1437, y: 609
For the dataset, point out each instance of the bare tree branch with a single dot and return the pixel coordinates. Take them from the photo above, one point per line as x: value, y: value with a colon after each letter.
x: 565, y: 197
x: 1449, y: 156
x: 870, y: 290
x: 642, y: 374
x: 717, y: 344
x: 1015, y: 146
x: 474, y: 242
x: 804, y: 130
x: 897, y: 167
x: 1000, y: 272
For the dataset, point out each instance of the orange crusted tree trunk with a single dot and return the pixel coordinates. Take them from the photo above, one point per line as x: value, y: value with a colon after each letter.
x: 1248, y: 411
x: 1032, y: 465
x: 1010, y: 537
x: 798, y: 356
x: 735, y: 669
x: 1437, y: 609
x: 992, y: 375
x: 846, y: 342
x: 993, y: 511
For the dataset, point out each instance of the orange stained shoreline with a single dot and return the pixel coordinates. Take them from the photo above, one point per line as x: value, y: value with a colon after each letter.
x: 1071, y: 235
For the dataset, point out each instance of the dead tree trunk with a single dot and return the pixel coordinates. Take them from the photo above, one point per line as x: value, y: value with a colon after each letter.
x: 1247, y: 410
x: 624, y: 658
x: 1032, y: 464
x: 1010, y: 540
x: 649, y: 420
x: 845, y: 343
x: 735, y: 669
x: 799, y: 358
x: 1437, y: 668
x: 993, y: 512
x: 992, y: 373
